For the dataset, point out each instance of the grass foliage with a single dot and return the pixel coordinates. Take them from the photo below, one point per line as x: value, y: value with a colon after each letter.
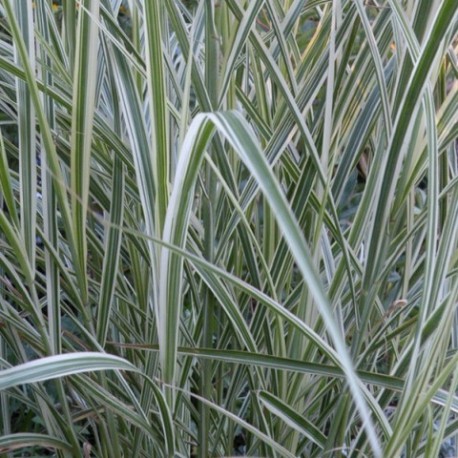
x: 229, y: 227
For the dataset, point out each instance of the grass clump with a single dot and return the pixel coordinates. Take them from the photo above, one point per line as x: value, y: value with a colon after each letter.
x: 228, y: 228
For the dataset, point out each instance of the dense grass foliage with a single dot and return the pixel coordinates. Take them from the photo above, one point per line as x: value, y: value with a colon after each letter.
x: 229, y: 228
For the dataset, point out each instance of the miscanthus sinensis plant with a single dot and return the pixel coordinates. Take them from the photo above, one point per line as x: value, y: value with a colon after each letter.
x: 228, y: 228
